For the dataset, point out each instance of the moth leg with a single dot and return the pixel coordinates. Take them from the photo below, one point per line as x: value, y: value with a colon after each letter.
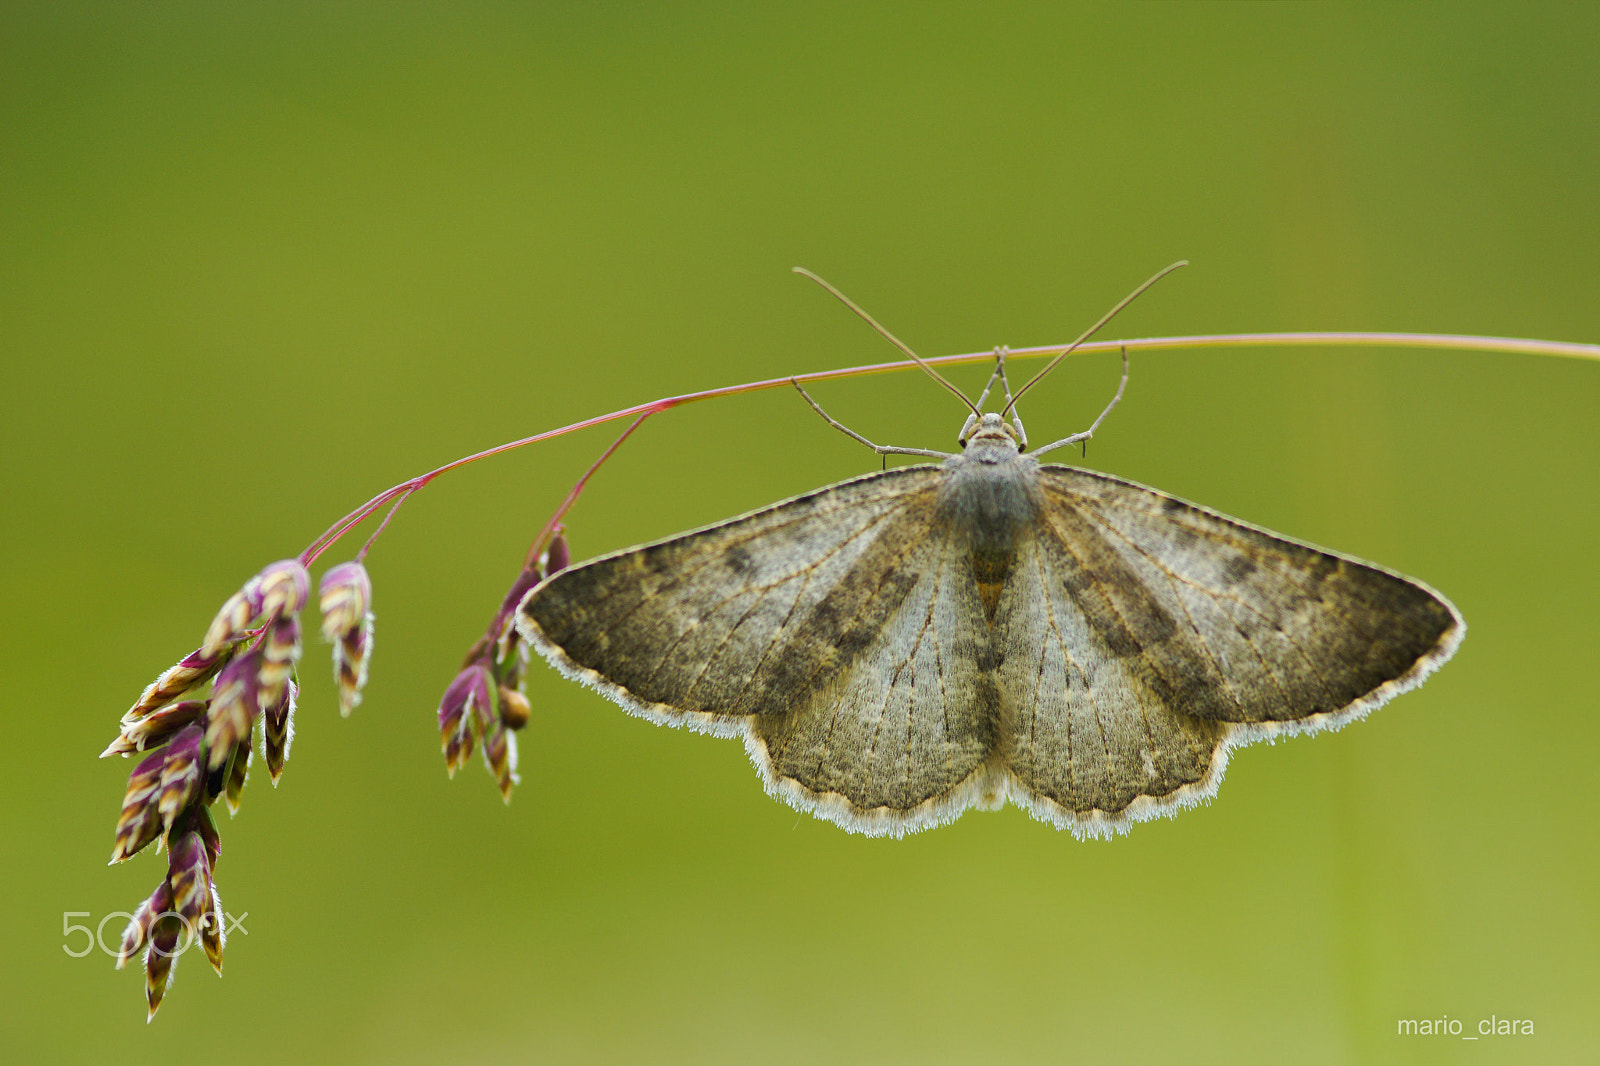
x: 879, y: 449
x: 998, y: 374
x: 1083, y: 438
x: 1011, y: 403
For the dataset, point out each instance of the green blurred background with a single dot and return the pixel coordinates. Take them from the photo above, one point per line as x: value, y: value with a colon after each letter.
x: 261, y: 261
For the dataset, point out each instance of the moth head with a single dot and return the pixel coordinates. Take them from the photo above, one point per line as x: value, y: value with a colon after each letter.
x: 991, y: 428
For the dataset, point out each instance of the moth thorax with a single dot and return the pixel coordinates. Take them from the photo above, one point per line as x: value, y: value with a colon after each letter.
x: 990, y: 494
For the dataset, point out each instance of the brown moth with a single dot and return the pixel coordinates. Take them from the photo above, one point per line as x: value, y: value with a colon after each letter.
x: 904, y: 645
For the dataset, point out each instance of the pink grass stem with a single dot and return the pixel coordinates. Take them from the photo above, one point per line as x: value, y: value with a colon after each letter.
x: 1449, y: 341
x: 554, y: 523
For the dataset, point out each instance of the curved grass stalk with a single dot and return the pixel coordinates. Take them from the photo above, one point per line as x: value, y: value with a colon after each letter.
x: 639, y: 412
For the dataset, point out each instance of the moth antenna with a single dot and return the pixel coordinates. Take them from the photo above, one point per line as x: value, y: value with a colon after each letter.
x: 1092, y: 330
x: 896, y: 341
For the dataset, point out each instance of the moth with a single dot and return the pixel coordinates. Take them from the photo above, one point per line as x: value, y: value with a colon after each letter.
x: 904, y: 645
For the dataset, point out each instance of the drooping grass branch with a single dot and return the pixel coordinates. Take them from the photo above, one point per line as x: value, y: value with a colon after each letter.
x: 640, y: 412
